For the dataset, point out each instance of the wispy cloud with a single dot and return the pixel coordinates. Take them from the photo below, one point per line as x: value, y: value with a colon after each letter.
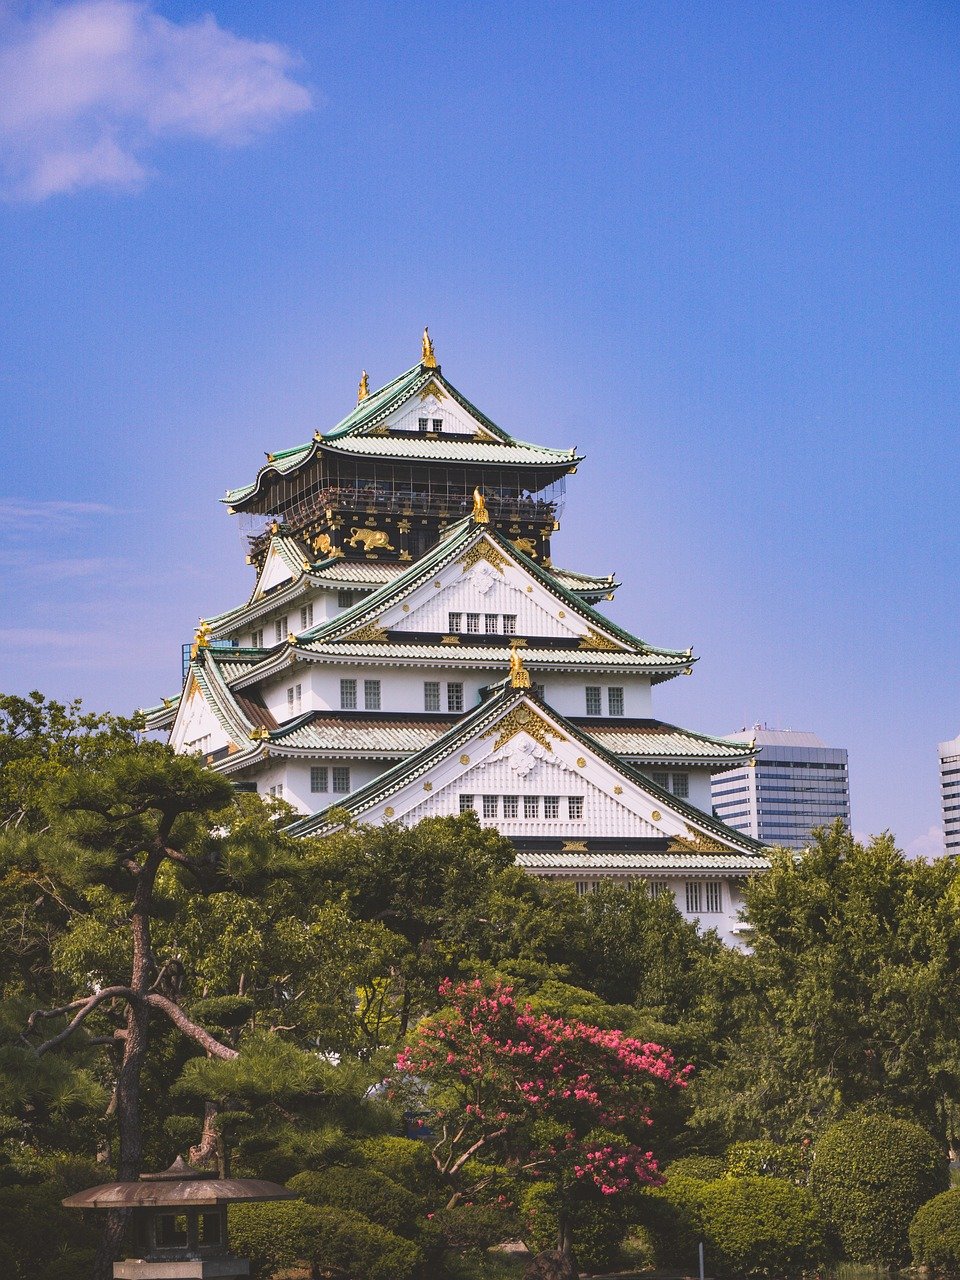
x: 86, y: 88
x: 927, y: 846
x: 31, y: 511
x: 26, y: 560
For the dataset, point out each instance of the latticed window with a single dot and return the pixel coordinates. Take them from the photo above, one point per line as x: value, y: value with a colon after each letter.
x: 491, y: 623
x: 423, y: 424
x: 615, y: 701
x: 538, y: 691
x: 294, y: 699
x: 257, y: 639
x: 594, y: 705
x: 661, y: 779
x: 319, y: 778
x: 511, y: 806
x: 551, y: 806
x: 306, y: 617
x: 681, y: 784
x: 431, y: 695
x: 659, y: 888
x: 466, y: 804
x: 473, y: 623
x: 531, y: 806
x: 454, y: 622
x: 341, y: 780
x: 491, y: 806
x: 281, y: 629
x: 438, y: 424
x: 344, y: 599
x: 509, y: 624
x: 694, y: 897
x: 348, y: 695
x: 575, y: 807
x: 455, y: 696
x: 371, y: 695
x: 714, y: 896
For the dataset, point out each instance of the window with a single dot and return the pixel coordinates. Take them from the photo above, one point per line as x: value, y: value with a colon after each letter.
x: 466, y: 804
x: 681, y: 784
x: 306, y: 617
x: 714, y: 896
x: 538, y: 691
x: 693, y: 898
x: 423, y: 424
x: 438, y: 424
x: 491, y: 806
x: 319, y: 777
x: 551, y: 806
x: 511, y: 806
x: 509, y: 624
x: 531, y: 806
x: 431, y: 695
x: 348, y: 695
x: 454, y: 622
x: 257, y: 639
x: 662, y: 780
x: 294, y: 700
x: 491, y: 623
x: 341, y: 780
x: 276, y: 791
x: 455, y: 696
x: 344, y: 599
x: 281, y: 629
x: 594, y: 706
x: 473, y: 623
x: 371, y: 695
x: 584, y: 887
x: 575, y: 807
x: 659, y: 888
x: 615, y: 702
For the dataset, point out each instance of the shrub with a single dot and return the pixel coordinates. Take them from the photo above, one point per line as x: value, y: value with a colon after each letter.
x: 764, y: 1159
x: 474, y: 1227
x: 363, y: 1191
x: 279, y: 1236
x: 599, y: 1226
x: 38, y: 1236
x: 870, y: 1175
x: 405, y: 1160
x: 935, y: 1233
x: 703, y: 1168
x: 760, y: 1227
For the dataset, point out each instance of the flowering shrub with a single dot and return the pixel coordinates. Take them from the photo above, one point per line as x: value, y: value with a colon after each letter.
x: 551, y: 1099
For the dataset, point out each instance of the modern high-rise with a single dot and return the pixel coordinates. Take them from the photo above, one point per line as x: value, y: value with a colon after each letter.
x: 795, y: 783
x: 950, y: 794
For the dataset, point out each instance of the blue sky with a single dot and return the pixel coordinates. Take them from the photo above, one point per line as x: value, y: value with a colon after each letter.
x: 713, y: 245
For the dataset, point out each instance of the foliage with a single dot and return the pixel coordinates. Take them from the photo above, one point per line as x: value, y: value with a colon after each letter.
x: 363, y: 1191
x: 761, y: 1158
x: 871, y: 1173
x: 935, y: 1233
x: 701, y: 1168
x: 759, y: 1227
x: 473, y: 1228
x: 281, y: 1235
x: 403, y: 1160
x: 31, y: 1189
x: 598, y: 1225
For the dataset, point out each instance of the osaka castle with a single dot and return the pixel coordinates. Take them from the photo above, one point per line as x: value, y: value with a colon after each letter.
x: 409, y: 649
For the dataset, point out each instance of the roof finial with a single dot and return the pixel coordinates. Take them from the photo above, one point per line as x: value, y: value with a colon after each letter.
x: 427, y: 355
x: 480, y: 513
x: 364, y: 388
x: 519, y: 675
x: 201, y: 639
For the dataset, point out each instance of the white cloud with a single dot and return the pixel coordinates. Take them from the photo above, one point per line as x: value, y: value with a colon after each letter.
x: 31, y: 511
x: 927, y: 846
x: 88, y: 86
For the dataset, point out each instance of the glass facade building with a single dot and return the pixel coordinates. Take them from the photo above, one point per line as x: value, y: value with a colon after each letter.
x: 950, y: 794
x: 797, y: 783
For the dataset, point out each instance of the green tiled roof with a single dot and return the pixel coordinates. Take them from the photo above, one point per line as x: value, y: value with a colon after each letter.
x: 654, y: 740
x: 605, y: 861
x: 487, y: 714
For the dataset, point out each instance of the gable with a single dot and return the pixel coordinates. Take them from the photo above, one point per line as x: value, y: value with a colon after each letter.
x: 196, y: 727
x: 276, y: 570
x: 434, y: 402
x: 486, y: 582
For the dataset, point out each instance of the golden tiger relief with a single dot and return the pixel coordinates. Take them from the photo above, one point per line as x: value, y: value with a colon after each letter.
x: 527, y: 545
x: 368, y: 539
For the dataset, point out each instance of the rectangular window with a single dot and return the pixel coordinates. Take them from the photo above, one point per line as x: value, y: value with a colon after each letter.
x: 438, y: 424
x: 575, y: 807
x: 714, y: 897
x: 276, y: 791
x: 466, y: 804
x: 431, y: 695
x: 306, y: 617
x: 455, y: 696
x: 661, y: 779
x: 344, y: 599
x: 659, y: 888
x: 341, y: 780
x: 681, y: 784
x: 491, y: 806
x: 257, y: 639
x: 348, y: 695
x: 491, y: 623
x: 551, y: 806
x: 281, y: 629
x: 584, y: 887
x: 538, y: 691
x: 594, y: 705
x: 473, y: 623
x: 454, y: 622
x: 511, y: 806
x: 319, y: 777
x: 294, y: 699
x: 423, y: 424
x: 371, y: 695
x: 615, y: 701
x: 693, y: 897
x: 531, y: 806
x: 509, y: 624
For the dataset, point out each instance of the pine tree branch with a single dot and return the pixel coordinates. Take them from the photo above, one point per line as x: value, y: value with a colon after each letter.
x: 190, y: 1029
x: 84, y: 1008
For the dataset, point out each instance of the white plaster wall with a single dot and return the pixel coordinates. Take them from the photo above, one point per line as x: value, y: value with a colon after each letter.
x: 455, y: 419
x: 567, y: 693
x: 196, y: 720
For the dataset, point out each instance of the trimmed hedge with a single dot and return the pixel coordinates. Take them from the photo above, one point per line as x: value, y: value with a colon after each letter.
x: 761, y: 1158
x: 703, y: 1168
x: 599, y: 1227
x: 870, y: 1175
x: 363, y: 1191
x: 935, y: 1233
x: 759, y: 1227
x: 405, y: 1160
x: 282, y: 1235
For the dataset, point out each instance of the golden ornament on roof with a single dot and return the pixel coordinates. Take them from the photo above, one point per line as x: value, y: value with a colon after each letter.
x: 480, y: 513
x: 364, y: 388
x: 427, y: 355
x: 519, y: 675
x: 202, y: 639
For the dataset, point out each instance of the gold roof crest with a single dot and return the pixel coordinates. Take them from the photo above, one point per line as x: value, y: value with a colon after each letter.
x: 428, y: 356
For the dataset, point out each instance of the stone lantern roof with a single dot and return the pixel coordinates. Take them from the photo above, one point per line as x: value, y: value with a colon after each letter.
x: 178, y: 1186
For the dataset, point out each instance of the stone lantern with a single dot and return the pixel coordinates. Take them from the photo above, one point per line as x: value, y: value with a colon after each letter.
x: 179, y: 1221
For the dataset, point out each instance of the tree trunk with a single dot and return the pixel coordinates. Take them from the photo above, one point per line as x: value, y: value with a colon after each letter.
x: 209, y: 1153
